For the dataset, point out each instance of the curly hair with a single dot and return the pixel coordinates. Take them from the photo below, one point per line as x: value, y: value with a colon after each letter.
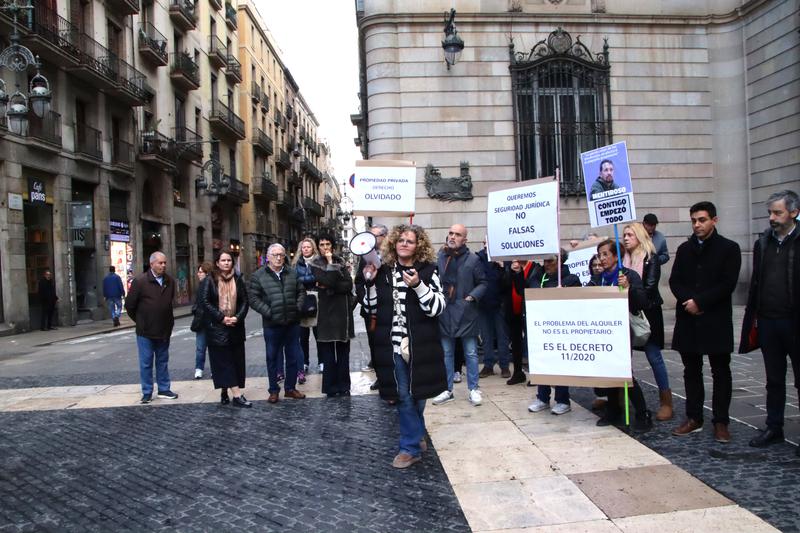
x: 423, y: 253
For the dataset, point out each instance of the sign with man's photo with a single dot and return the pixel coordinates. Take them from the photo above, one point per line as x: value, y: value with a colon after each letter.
x: 609, y: 192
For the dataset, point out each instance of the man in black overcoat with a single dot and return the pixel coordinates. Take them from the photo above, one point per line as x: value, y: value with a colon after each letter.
x: 703, y: 279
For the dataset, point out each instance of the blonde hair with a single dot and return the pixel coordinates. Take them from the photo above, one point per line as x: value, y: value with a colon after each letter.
x: 424, y: 252
x: 646, y: 247
x: 298, y: 254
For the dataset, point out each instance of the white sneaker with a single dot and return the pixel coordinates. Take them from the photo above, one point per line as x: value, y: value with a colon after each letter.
x: 444, y: 397
x: 456, y: 377
x: 561, y: 408
x: 538, y: 405
x: 198, y: 374
x: 321, y: 368
x: 475, y: 397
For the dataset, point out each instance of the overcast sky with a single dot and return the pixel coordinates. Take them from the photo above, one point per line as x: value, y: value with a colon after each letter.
x: 318, y: 41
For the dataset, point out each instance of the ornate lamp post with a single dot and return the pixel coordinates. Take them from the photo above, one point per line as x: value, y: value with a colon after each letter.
x: 452, y: 43
x: 218, y: 184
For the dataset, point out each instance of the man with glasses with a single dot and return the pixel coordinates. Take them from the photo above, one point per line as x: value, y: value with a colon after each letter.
x: 277, y: 293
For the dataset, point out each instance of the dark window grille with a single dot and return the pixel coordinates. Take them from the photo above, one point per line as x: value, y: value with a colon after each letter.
x: 562, y: 108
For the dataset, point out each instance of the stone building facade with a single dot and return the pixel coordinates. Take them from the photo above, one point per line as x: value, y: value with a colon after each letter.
x: 706, y: 95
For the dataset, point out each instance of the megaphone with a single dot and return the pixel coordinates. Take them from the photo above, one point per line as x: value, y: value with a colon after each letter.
x: 363, y: 245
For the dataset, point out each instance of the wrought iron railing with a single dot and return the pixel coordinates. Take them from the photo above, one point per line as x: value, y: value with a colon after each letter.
x: 98, y: 58
x: 264, y: 102
x: 47, y: 128
x: 224, y: 113
x: 133, y: 81
x: 262, y: 140
x: 185, y: 8
x: 230, y: 15
x: 155, y: 143
x: 182, y: 63
x: 217, y: 48
x: 255, y: 92
x: 122, y: 153
x: 233, y: 67
x: 150, y: 37
x: 87, y: 141
x: 189, y: 142
x: 55, y: 29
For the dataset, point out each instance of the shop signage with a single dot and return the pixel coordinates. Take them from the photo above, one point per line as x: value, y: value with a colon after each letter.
x: 36, y: 191
x: 15, y: 201
x: 120, y: 231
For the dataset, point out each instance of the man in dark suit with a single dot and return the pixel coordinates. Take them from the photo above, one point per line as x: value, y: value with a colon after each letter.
x: 48, y: 299
x: 703, y: 279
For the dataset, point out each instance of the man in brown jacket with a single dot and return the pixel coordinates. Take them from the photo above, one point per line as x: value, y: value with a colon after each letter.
x: 149, y: 304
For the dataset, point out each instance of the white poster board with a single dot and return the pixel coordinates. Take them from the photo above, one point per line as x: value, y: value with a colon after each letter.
x: 384, y: 188
x: 578, y: 336
x: 609, y: 192
x: 578, y: 260
x: 522, y: 220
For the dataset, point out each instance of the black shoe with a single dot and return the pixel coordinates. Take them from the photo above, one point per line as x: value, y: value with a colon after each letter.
x: 223, y: 397
x: 767, y: 437
x: 241, y: 401
x: 374, y: 385
x: 643, y: 422
x: 146, y: 398
x: 609, y: 419
x: 167, y: 395
x: 516, y: 378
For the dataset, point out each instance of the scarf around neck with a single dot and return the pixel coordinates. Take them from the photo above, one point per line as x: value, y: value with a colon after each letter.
x: 610, y: 278
x: 226, y: 285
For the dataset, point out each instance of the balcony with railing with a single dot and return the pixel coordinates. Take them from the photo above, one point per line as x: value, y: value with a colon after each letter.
x: 289, y: 112
x: 293, y: 179
x: 262, y: 142
x: 184, y: 73
x: 225, y: 122
x: 122, y: 155
x: 153, y: 45
x: 216, y: 5
x: 285, y: 199
x: 255, y: 92
x: 189, y: 143
x: 50, y: 36
x: 132, y: 87
x: 157, y: 150
x: 238, y: 191
x: 87, y: 141
x: 312, y: 206
x: 310, y: 169
x: 264, y: 187
x: 233, y: 69
x: 98, y: 65
x: 283, y: 161
x: 264, y: 102
x: 123, y: 7
x: 230, y: 16
x: 46, y: 129
x: 217, y: 52
x: 183, y: 14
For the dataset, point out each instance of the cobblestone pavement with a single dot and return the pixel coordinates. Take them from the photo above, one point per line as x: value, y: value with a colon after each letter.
x: 317, y: 465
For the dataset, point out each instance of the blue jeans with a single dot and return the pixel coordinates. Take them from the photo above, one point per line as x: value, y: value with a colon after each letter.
x: 114, y: 307
x: 470, y: 345
x: 278, y: 339
x: 150, y: 349
x: 200, y: 350
x: 409, y: 411
x: 494, y: 327
x: 562, y: 394
x: 656, y: 360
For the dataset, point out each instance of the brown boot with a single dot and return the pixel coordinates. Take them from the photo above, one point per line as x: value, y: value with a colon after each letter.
x: 665, y: 411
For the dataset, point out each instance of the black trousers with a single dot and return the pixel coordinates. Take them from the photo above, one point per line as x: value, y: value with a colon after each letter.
x: 336, y: 372
x: 305, y: 335
x: 777, y: 338
x: 614, y: 409
x: 695, y: 391
x: 227, y: 365
x: 515, y: 334
x: 48, y: 315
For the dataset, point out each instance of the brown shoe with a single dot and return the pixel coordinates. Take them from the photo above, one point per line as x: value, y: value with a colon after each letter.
x: 404, y: 460
x: 689, y: 426
x: 273, y: 397
x: 665, y: 410
x: 296, y: 394
x: 721, y: 433
x: 599, y: 404
x: 486, y: 372
x: 505, y: 373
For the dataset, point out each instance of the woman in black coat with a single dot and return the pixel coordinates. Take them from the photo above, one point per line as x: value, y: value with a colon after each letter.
x: 224, y: 302
x: 405, y: 296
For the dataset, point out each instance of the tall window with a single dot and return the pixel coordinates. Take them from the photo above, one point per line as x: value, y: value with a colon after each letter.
x: 562, y: 108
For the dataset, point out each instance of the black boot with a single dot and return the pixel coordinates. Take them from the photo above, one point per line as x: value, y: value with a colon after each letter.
x: 643, y: 421
x: 224, y: 400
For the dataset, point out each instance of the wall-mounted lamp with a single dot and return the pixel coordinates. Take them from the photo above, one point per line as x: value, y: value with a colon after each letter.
x: 452, y: 44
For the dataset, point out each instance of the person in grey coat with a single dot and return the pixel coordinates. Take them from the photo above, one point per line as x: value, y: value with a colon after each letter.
x: 464, y: 283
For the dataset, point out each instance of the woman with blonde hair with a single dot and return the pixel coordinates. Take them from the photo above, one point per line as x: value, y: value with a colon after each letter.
x: 640, y: 256
x: 405, y: 297
x: 306, y: 253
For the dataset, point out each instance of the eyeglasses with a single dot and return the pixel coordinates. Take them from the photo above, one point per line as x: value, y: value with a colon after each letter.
x: 277, y: 255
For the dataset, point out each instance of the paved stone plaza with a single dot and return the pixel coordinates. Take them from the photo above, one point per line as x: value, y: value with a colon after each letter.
x: 77, y: 453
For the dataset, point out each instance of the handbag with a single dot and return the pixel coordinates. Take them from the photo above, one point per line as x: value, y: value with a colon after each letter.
x: 197, y: 323
x: 405, y: 345
x: 309, y: 309
x: 640, y: 329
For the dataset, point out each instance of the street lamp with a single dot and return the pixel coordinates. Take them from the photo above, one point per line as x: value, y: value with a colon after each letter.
x: 19, y: 58
x: 218, y: 184
x: 452, y: 44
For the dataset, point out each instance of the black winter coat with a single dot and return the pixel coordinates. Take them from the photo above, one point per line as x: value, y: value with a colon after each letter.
x: 651, y: 275
x: 278, y: 302
x: 149, y: 304
x: 217, y: 333
x: 335, y: 289
x: 708, y: 274
x: 428, y: 376
x: 637, y: 297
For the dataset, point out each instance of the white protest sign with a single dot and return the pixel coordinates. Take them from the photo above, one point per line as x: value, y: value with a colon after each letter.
x: 384, y: 188
x: 609, y: 192
x: 578, y: 260
x: 522, y: 220
x: 578, y: 336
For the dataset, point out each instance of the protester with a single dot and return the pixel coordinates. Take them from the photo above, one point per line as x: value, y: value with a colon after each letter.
x: 46, y: 291
x: 224, y: 303
x: 379, y: 231
x: 515, y: 299
x: 464, y: 284
x: 200, y: 343
x: 492, y: 319
x: 113, y: 291
x: 595, y: 267
x: 546, y: 278
x: 149, y: 304
x: 640, y: 256
x: 703, y: 279
x: 774, y: 306
x: 277, y: 294
x: 650, y: 221
x: 335, y: 288
x: 405, y: 296
x: 306, y: 252
x: 615, y: 275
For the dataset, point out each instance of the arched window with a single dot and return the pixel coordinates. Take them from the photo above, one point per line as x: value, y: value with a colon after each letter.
x: 561, y: 108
